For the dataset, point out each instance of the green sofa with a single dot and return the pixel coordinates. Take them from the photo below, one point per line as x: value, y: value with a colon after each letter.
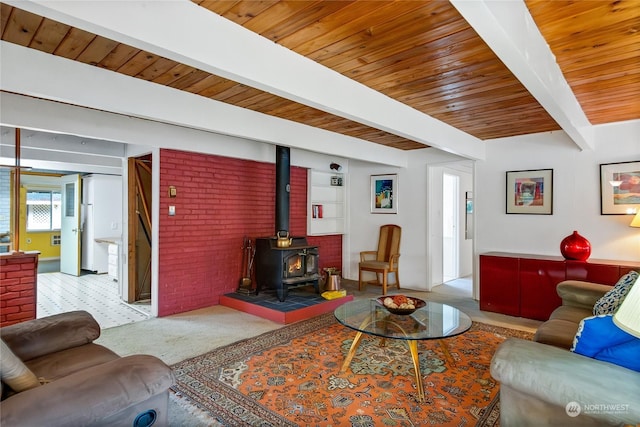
x: 544, y: 384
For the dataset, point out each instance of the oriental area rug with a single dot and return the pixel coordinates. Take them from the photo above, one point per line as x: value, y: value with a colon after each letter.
x: 291, y: 377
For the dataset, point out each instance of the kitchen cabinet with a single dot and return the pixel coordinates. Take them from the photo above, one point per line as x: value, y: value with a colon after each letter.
x: 326, y: 203
x: 114, y: 260
x: 524, y: 285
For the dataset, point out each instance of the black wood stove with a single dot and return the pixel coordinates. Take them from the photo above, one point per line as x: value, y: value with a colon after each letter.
x: 281, y: 268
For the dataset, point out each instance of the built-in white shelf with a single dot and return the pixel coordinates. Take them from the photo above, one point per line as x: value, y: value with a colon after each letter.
x: 326, y: 203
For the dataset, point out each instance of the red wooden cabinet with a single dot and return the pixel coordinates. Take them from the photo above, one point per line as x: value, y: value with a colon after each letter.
x: 502, y: 294
x: 525, y: 285
x: 607, y: 274
x: 538, y: 280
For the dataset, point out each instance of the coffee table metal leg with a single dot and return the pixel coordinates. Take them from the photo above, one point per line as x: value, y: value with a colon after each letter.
x: 447, y: 354
x: 354, y: 346
x: 413, y: 347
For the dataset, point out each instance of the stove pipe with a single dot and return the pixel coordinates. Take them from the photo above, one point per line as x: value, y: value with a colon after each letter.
x: 283, y: 187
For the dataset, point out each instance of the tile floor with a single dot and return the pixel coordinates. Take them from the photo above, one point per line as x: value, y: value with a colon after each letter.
x: 95, y: 293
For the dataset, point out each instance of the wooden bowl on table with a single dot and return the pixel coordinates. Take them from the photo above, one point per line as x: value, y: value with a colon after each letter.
x: 401, y: 304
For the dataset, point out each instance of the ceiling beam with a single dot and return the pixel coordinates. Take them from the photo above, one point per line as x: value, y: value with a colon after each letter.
x: 509, y: 30
x: 211, y: 43
x: 28, y: 72
x: 48, y: 151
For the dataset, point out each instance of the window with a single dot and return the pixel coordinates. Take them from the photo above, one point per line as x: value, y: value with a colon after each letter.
x: 44, y: 210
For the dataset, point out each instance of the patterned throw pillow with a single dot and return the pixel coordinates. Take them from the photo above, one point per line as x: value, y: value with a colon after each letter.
x: 610, y: 302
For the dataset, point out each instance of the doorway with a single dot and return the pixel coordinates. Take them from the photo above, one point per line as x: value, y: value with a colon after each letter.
x: 68, y: 223
x: 450, y: 249
x: 450, y: 220
x: 140, y: 231
x: 100, y: 283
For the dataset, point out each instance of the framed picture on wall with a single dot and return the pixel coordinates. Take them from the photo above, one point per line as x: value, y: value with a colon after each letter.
x: 619, y: 188
x: 384, y: 194
x: 530, y: 192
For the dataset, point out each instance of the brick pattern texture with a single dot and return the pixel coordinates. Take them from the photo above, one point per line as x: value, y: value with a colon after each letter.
x: 18, y: 281
x: 219, y: 201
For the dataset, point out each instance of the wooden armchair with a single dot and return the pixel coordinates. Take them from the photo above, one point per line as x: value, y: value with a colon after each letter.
x: 384, y: 260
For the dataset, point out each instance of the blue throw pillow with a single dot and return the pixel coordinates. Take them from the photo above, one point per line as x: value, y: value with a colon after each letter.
x: 626, y: 354
x: 599, y: 338
x: 613, y: 299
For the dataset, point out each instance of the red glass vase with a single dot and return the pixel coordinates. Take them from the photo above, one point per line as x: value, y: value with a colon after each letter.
x: 575, y: 247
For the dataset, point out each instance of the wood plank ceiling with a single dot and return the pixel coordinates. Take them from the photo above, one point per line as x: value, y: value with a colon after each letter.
x: 420, y: 53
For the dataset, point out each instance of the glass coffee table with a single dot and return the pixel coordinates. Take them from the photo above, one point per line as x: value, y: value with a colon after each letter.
x: 433, y: 321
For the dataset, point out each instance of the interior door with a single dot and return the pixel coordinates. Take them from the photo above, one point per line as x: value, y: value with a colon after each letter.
x: 140, y: 239
x: 70, y: 225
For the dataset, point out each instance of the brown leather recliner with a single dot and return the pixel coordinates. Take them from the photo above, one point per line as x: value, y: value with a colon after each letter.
x: 82, y: 383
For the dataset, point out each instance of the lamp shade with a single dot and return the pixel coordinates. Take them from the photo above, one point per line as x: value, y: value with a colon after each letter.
x: 635, y: 222
x: 627, y: 317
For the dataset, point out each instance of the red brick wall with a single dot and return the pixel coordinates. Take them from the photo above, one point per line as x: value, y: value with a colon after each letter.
x: 18, y: 280
x: 219, y: 201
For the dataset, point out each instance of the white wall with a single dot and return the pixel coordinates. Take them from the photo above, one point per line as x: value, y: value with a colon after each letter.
x: 576, y: 194
x: 412, y: 216
x: 576, y: 204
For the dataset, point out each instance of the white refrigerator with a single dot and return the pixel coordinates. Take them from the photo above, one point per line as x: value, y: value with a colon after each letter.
x: 101, y: 220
